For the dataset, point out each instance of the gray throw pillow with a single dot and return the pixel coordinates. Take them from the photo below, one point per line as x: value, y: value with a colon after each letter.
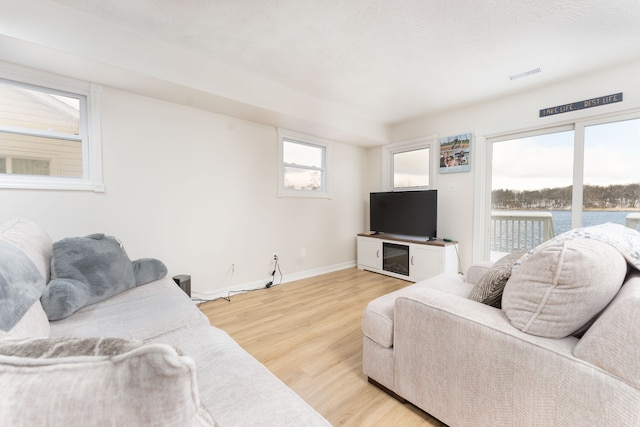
x: 87, y: 270
x: 490, y: 287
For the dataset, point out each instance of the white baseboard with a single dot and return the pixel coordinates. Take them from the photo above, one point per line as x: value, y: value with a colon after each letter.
x: 261, y: 284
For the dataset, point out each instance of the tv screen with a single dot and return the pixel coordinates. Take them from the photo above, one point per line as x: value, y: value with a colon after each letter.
x: 411, y: 213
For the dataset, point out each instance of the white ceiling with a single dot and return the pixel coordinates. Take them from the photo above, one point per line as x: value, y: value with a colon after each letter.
x: 391, y: 60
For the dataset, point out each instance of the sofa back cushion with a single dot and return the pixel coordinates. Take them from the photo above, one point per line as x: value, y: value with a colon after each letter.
x: 97, y: 381
x: 612, y: 342
x: 563, y: 286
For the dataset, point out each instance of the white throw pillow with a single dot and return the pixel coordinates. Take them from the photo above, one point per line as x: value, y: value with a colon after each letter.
x: 562, y: 286
x: 97, y: 382
x: 35, y: 243
x: 33, y: 324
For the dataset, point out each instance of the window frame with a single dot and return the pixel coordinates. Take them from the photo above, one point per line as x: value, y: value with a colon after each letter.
x: 483, y: 176
x: 311, y: 141
x: 90, y: 133
x: 388, y: 152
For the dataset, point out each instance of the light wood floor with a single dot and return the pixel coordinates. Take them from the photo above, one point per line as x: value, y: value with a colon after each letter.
x: 308, y: 334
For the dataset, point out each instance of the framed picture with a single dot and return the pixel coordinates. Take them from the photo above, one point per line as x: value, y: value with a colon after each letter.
x: 455, y: 153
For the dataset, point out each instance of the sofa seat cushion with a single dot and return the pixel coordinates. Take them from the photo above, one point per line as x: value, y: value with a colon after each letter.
x: 563, y: 286
x: 378, y: 317
x: 93, y: 382
x: 141, y: 313
x: 235, y: 387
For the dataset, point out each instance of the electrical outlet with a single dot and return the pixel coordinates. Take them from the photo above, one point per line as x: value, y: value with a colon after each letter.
x: 275, y: 255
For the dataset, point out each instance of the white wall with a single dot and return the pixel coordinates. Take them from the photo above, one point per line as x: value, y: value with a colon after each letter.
x: 198, y: 191
x: 456, y: 191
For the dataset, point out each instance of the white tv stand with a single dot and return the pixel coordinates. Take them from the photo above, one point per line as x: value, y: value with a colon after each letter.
x: 405, y: 257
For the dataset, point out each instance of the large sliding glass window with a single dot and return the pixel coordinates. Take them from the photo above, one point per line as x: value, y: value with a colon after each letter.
x: 547, y: 182
x: 611, y: 189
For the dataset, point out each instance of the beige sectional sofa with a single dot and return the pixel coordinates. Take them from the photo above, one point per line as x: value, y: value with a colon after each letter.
x: 146, y: 356
x: 529, y: 361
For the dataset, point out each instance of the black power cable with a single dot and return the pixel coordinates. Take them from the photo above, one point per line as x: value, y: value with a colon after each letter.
x: 273, y: 273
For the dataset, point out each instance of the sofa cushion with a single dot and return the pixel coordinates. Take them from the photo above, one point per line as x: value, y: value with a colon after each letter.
x: 378, y: 317
x: 613, y: 340
x: 237, y: 388
x: 562, y: 286
x: 128, y: 314
x: 21, y: 285
x: 98, y: 381
x: 489, y: 289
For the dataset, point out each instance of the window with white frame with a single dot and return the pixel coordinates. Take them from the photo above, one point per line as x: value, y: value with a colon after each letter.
x: 49, y: 132
x: 408, y: 165
x: 550, y: 180
x: 303, y: 166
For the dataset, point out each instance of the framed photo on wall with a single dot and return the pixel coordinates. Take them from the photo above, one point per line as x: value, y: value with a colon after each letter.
x: 455, y: 153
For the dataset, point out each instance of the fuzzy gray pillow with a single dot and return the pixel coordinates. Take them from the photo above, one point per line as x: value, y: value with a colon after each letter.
x: 47, y: 348
x: 87, y: 270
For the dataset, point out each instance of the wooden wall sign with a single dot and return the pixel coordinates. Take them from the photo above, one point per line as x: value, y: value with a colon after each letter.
x: 587, y: 103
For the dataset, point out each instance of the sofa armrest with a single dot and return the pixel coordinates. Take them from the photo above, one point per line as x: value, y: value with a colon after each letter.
x: 476, y: 271
x: 612, y: 342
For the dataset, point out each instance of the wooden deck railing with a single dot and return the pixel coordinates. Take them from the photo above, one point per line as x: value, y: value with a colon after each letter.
x: 633, y: 220
x: 512, y: 231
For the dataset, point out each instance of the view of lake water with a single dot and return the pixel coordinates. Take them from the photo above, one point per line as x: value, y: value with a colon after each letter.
x: 562, y: 219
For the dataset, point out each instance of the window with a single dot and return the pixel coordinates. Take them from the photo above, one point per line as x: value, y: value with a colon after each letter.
x: 49, y: 132
x: 303, y: 166
x: 546, y: 182
x: 408, y: 165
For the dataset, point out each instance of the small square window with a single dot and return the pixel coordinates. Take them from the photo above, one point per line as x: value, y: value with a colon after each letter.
x: 303, y: 167
x: 49, y: 135
x: 408, y: 165
x: 411, y: 168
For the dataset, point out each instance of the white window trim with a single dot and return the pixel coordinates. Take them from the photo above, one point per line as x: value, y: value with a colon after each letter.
x: 92, y: 144
x: 324, y: 193
x: 389, y: 150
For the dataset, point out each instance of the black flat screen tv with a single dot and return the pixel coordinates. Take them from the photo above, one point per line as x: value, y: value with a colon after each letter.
x: 410, y: 213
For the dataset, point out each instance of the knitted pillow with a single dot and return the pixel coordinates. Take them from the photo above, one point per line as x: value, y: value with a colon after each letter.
x: 489, y: 289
